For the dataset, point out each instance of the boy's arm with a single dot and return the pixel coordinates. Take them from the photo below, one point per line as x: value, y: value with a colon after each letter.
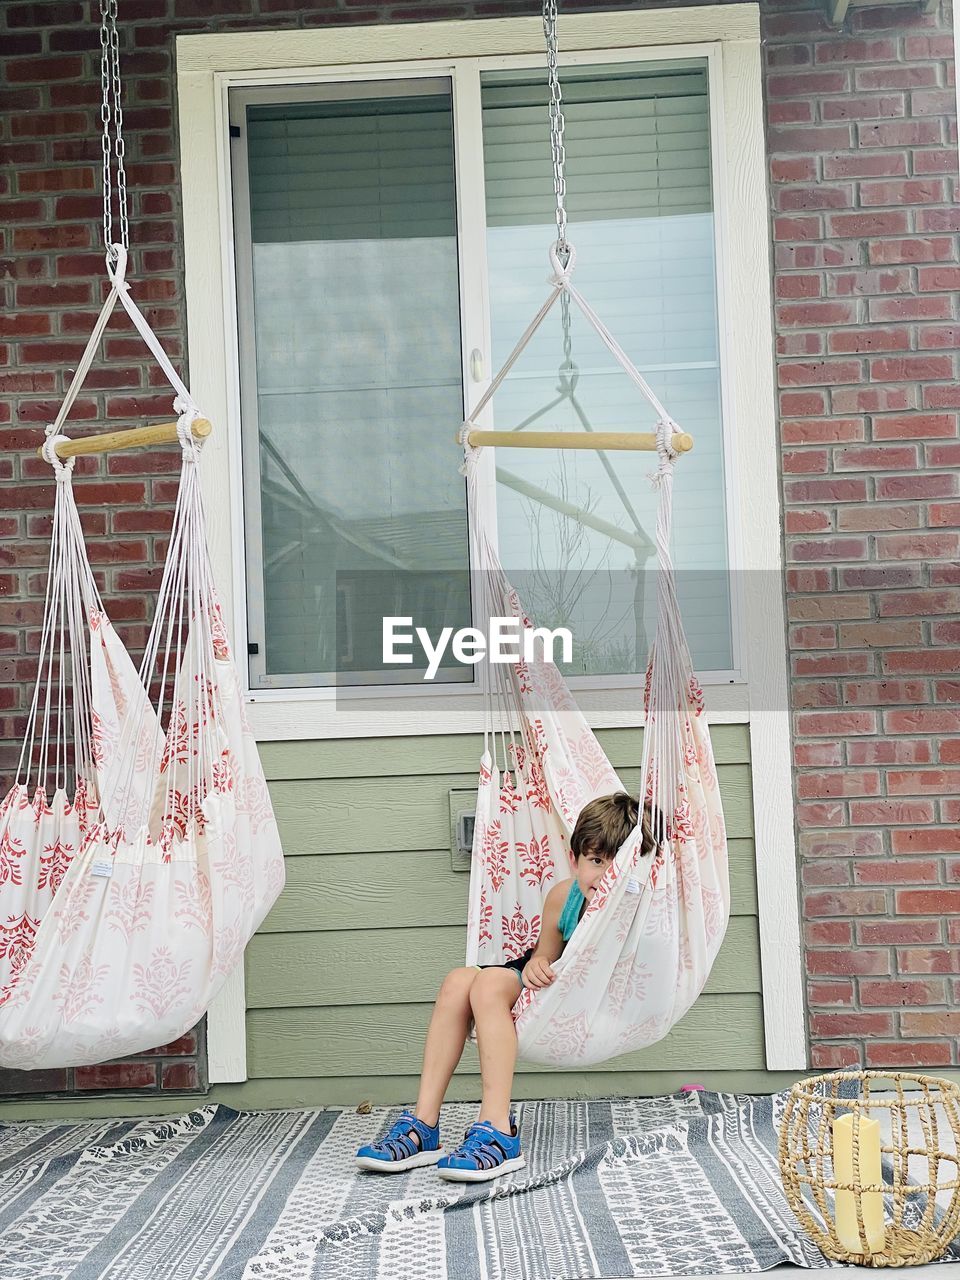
x: 550, y: 943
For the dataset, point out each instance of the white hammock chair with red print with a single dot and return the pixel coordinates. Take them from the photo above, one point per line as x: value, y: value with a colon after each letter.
x: 125, y: 905
x: 644, y: 948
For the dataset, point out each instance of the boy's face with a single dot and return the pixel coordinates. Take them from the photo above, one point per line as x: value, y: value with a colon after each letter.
x: 591, y: 866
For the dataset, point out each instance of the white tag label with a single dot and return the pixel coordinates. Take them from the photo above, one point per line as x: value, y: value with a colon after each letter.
x: 102, y: 869
x: 633, y: 886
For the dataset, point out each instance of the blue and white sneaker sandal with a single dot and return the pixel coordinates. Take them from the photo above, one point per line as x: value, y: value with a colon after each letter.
x: 485, y: 1153
x: 408, y: 1144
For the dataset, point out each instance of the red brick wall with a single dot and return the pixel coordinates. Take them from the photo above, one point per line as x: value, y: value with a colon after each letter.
x: 174, y: 1068
x: 863, y: 168
x: 863, y: 171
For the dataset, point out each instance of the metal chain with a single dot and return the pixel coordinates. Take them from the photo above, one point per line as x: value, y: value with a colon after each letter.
x: 556, y: 123
x: 111, y: 110
x: 567, y: 337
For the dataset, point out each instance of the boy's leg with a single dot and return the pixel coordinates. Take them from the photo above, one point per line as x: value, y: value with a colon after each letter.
x: 414, y: 1139
x: 446, y: 1037
x: 492, y: 996
x: 491, y: 1147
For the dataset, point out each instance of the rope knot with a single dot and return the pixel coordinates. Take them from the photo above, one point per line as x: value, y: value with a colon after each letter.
x: 568, y: 377
x: 666, y: 453
x: 117, y: 267
x: 562, y: 271
x: 665, y: 450
x: 189, y: 446
x: 62, y: 470
x: 470, y: 452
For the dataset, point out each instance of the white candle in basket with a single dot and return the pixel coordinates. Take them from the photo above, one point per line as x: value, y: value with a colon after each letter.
x: 866, y: 1173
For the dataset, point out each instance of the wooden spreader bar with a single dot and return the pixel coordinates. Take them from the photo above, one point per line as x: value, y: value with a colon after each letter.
x: 682, y: 441
x: 132, y: 438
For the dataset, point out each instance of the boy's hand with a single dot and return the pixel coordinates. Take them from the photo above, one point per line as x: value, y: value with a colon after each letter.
x: 537, y: 973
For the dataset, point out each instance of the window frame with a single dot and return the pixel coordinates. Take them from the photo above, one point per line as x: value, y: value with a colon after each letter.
x: 728, y: 36
x: 465, y: 79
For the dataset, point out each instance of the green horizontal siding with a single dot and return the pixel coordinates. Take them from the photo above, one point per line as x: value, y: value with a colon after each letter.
x: 458, y: 752
x: 303, y: 970
x: 378, y: 890
x: 724, y: 1031
x: 342, y: 975
x: 361, y: 815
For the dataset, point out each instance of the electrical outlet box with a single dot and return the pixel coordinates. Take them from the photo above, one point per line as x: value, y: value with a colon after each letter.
x: 465, y: 832
x: 463, y: 806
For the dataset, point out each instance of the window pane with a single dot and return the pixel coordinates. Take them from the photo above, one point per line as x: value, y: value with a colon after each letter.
x: 356, y: 333
x: 640, y: 215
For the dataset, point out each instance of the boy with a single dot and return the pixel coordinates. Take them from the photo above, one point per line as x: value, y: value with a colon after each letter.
x: 486, y: 995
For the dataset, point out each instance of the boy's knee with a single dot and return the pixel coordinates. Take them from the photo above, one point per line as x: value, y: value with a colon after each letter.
x: 458, y: 983
x: 494, y: 986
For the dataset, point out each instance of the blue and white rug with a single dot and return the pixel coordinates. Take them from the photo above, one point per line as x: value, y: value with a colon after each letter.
x: 682, y: 1185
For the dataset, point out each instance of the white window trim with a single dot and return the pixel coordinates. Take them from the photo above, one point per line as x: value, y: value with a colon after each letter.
x: 306, y: 711
x: 728, y: 34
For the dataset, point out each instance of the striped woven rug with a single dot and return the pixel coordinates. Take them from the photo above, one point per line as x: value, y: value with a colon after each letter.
x: 682, y: 1185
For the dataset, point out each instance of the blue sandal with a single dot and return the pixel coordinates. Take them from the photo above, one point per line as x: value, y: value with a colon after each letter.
x: 485, y: 1153
x: 408, y: 1144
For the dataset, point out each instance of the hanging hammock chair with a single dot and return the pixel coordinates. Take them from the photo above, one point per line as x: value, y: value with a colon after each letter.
x: 135, y: 861
x: 646, y: 943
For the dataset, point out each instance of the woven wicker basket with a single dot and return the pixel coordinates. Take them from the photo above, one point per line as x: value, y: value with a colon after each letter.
x: 913, y: 1117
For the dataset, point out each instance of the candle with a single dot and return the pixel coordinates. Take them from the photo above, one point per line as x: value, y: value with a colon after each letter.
x: 866, y: 1173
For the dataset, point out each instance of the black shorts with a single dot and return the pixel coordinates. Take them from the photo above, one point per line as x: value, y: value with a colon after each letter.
x: 516, y: 964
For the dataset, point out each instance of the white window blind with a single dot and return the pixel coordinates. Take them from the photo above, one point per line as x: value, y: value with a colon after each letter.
x: 377, y: 168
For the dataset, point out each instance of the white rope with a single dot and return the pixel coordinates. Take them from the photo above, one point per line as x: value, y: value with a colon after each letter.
x: 63, y: 669
x: 670, y: 667
x: 184, y: 605
x: 90, y: 351
x: 120, y: 291
x: 561, y: 282
x: 149, y: 337
x: 181, y: 627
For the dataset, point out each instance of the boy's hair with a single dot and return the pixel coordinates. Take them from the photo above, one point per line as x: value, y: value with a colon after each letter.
x: 605, y: 823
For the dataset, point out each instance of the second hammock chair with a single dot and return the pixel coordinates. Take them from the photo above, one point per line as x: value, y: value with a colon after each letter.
x: 644, y: 948
x: 647, y: 941
x: 135, y: 862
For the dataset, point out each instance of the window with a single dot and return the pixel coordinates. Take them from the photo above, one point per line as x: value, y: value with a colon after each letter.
x: 353, y: 300
x: 351, y: 372
x: 640, y: 209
